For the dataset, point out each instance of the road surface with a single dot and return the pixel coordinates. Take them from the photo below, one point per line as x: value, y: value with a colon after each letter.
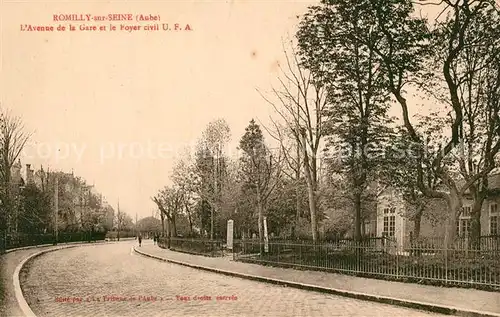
x: 110, y: 280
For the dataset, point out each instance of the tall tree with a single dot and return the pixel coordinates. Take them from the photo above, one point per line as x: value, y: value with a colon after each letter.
x: 13, y: 138
x: 36, y: 210
x: 170, y: 202
x: 357, y: 121
x: 411, y: 55
x: 301, y: 102
x: 452, y: 39
x: 184, y: 177
x: 211, y: 166
x: 478, y: 66
x: 259, y: 170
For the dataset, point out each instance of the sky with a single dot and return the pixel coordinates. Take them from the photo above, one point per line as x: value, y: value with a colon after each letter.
x: 118, y: 107
x: 115, y: 106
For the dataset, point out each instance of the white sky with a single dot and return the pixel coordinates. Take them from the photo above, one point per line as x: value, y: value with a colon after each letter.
x: 90, y: 93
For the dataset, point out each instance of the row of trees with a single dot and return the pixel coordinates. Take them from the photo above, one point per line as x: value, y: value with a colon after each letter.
x: 210, y: 187
x: 368, y: 54
x: 351, y: 64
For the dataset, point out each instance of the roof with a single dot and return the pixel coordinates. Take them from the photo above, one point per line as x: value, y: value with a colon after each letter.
x: 493, y: 181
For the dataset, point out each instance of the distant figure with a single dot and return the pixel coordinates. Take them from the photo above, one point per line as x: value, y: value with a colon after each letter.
x: 154, y: 239
x: 140, y: 240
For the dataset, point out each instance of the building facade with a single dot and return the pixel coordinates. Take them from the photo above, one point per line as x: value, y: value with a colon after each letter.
x: 395, y: 217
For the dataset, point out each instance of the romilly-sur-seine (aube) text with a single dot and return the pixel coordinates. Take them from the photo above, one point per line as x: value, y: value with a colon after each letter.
x: 86, y: 22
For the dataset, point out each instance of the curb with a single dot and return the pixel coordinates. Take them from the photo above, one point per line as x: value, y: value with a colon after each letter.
x: 26, y: 309
x: 48, y: 245
x: 441, y: 309
x: 17, y: 283
x: 62, y: 243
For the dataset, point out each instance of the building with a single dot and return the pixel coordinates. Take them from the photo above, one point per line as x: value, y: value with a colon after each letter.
x: 30, y: 175
x: 394, y: 216
x: 16, y: 177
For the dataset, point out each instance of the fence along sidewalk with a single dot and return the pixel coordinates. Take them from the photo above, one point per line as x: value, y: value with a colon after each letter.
x: 13, y: 241
x: 463, y: 299
x: 424, y: 261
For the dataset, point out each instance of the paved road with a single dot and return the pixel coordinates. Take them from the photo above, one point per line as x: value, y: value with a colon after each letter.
x: 109, y: 280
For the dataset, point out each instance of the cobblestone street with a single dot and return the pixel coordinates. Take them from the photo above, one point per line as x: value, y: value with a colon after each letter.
x: 110, y: 280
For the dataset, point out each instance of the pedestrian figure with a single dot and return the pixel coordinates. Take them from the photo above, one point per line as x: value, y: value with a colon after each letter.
x: 140, y: 240
x: 154, y: 239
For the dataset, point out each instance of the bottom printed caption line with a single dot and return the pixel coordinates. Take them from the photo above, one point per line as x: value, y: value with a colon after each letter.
x: 116, y: 298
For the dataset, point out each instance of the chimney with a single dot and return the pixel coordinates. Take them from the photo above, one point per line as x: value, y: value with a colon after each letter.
x: 29, y: 174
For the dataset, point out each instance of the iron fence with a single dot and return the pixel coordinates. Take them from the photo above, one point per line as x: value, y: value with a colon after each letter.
x: 423, y: 261
x: 19, y: 240
x: 205, y: 247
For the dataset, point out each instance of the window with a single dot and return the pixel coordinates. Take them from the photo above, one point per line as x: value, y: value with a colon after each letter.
x: 493, y: 209
x: 367, y: 227
x: 493, y: 225
x: 464, y: 223
x: 466, y: 211
x: 389, y: 226
x: 464, y: 229
x: 494, y: 215
x: 391, y: 210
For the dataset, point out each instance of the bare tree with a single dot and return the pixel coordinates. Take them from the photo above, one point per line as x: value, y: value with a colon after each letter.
x: 301, y: 102
x: 13, y: 138
x: 211, y: 164
x: 169, y: 201
x: 183, y: 176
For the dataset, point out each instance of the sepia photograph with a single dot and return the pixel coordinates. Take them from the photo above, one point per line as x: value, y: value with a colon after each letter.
x: 248, y: 158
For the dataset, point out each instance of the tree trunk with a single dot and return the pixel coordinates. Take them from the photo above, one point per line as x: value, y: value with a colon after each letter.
x: 312, y: 207
x: 174, y: 226
x: 297, y: 215
x: 6, y: 199
x: 168, y: 234
x: 415, y: 246
x: 475, y: 226
x: 357, y: 217
x: 297, y: 193
x: 162, y: 217
x: 260, y: 220
x: 454, y: 204
x: 190, y: 220
x: 212, y: 223
x: 212, y: 210
x: 311, y: 189
x: 417, y: 221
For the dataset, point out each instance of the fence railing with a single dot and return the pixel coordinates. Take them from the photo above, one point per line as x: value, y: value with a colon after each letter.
x: 422, y: 262
x: 206, y: 247
x: 485, y: 244
x: 19, y: 240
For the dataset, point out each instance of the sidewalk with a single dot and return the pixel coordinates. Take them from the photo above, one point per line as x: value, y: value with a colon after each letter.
x: 459, y: 301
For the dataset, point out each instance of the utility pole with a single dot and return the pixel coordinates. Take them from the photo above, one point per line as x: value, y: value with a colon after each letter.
x: 56, y: 208
x: 212, y: 212
x: 89, y: 211
x: 118, y: 219
x: 135, y: 227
